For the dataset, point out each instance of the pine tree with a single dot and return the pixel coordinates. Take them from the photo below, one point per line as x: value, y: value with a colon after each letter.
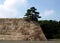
x: 32, y: 14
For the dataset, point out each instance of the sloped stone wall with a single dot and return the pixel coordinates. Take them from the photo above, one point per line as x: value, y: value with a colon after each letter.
x: 19, y: 29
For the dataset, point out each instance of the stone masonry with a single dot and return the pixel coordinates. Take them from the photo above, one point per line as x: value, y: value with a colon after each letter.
x: 19, y: 29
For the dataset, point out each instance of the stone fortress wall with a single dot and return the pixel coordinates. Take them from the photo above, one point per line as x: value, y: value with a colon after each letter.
x: 19, y: 29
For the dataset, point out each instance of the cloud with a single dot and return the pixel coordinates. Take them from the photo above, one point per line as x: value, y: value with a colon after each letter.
x: 48, y: 12
x: 9, y: 8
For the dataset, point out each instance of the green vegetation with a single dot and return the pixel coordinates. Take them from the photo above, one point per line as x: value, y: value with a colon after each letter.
x: 32, y: 14
x: 50, y: 28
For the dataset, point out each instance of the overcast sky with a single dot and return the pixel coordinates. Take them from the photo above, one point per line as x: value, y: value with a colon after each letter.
x: 49, y: 9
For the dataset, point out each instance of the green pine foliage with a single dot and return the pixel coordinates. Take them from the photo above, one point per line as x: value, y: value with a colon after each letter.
x: 32, y: 14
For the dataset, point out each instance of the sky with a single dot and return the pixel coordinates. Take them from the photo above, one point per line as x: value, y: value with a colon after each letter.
x: 48, y: 9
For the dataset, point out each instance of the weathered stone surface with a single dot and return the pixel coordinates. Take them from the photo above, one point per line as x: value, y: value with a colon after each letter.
x: 19, y: 29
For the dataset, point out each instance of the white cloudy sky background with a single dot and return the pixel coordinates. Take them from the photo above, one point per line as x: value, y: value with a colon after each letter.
x: 9, y: 8
x: 49, y: 9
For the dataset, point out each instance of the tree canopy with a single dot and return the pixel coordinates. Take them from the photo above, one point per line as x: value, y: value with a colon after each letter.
x: 32, y: 14
x: 51, y: 28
